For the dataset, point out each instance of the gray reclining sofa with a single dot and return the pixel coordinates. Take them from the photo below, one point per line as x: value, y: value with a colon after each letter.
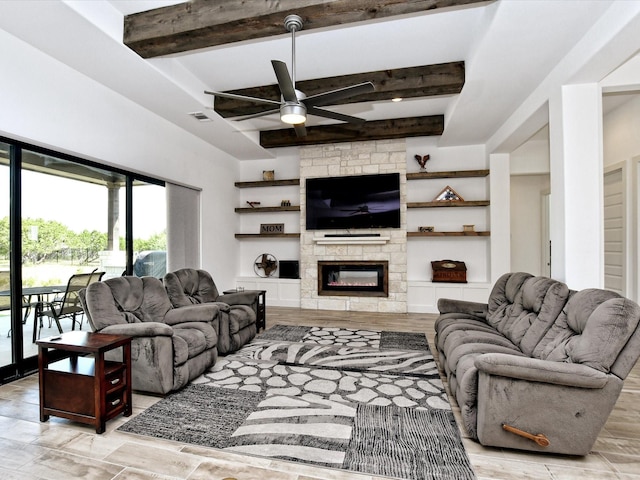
x: 170, y: 346
x: 539, y: 367
x: 237, y: 319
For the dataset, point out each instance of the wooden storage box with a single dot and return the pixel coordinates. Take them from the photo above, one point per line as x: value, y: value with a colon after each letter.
x: 451, y: 271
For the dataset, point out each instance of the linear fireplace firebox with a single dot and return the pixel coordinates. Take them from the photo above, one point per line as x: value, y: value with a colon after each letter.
x: 356, y: 278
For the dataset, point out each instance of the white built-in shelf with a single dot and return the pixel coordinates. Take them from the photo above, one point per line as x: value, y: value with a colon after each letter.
x: 448, y: 234
x: 449, y: 203
x: 451, y: 174
x: 290, y: 208
x: 267, y: 235
x: 268, y: 183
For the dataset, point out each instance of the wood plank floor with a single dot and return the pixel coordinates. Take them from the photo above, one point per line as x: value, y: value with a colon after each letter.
x: 59, y: 449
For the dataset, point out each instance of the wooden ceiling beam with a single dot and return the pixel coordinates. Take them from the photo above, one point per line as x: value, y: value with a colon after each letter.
x: 424, y: 81
x: 346, y: 132
x: 205, y: 23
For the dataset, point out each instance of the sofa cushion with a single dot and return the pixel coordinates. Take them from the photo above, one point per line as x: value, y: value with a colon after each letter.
x: 592, y: 329
x: 528, y: 313
x: 454, y: 357
x: 456, y: 340
x: 189, y: 286
x: 197, y: 337
x: 240, y: 316
x: 452, y: 325
x: 605, y: 333
x: 547, y: 305
x: 127, y: 300
x: 504, y: 293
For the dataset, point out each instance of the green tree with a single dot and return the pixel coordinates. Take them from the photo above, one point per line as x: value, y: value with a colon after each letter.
x: 41, y: 237
x: 5, y: 244
x: 157, y: 241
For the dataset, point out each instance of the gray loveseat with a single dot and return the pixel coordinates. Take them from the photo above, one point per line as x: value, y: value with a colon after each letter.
x: 170, y: 346
x: 539, y: 367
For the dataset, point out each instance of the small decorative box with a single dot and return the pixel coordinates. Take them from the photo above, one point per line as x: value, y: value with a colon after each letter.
x: 452, y: 271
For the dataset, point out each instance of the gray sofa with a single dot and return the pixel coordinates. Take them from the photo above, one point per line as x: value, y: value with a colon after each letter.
x: 237, y: 320
x: 170, y: 346
x: 539, y: 367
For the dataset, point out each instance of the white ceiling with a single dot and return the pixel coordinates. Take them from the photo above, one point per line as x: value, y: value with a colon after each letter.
x: 509, y: 47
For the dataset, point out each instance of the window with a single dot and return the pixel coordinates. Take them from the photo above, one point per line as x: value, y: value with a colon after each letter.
x: 69, y: 216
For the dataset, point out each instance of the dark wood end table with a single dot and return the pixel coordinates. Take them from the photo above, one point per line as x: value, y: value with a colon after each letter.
x: 85, y: 387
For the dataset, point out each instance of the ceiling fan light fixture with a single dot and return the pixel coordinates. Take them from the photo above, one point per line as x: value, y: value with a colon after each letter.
x: 293, y: 113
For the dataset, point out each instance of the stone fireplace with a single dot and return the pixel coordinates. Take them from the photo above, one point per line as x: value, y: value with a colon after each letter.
x: 380, y: 246
x: 357, y: 278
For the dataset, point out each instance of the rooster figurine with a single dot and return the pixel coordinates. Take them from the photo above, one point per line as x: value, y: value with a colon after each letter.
x: 422, y: 160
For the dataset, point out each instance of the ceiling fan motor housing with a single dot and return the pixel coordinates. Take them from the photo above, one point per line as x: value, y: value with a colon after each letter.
x: 293, y: 113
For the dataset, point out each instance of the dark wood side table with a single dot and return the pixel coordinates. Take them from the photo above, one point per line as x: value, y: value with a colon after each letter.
x: 85, y: 387
x: 261, y: 313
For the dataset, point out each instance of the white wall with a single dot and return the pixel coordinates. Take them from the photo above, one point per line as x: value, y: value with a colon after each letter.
x: 46, y: 103
x: 621, y: 129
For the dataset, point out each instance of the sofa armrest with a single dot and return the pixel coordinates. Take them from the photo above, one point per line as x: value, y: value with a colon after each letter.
x: 543, y: 371
x: 239, y: 298
x: 476, y: 309
x: 200, y: 312
x: 142, y: 329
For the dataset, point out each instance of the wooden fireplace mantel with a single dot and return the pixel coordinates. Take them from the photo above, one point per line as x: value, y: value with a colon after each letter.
x: 348, y: 240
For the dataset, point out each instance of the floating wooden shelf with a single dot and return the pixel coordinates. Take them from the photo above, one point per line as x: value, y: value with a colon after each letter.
x: 451, y: 174
x: 268, y: 183
x: 448, y: 234
x: 267, y: 235
x: 453, y: 203
x: 290, y: 208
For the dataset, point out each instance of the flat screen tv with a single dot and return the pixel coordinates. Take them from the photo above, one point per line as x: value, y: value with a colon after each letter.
x: 352, y: 202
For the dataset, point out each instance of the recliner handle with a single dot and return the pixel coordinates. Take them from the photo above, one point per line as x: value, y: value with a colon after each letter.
x: 539, y: 438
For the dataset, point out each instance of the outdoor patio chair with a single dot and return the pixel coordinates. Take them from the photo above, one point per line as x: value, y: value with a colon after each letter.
x: 68, y: 306
x: 5, y: 300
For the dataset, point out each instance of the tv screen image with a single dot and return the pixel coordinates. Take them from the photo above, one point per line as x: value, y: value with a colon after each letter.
x: 352, y: 202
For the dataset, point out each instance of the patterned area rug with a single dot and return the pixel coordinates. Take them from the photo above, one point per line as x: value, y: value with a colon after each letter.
x: 360, y: 400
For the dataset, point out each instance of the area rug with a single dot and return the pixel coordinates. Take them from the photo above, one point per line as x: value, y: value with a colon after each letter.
x: 361, y: 400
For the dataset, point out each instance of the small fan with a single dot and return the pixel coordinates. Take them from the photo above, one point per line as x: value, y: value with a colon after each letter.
x: 265, y: 265
x: 294, y: 104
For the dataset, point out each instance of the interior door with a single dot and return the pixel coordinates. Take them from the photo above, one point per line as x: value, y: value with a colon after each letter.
x: 614, y: 232
x: 545, y: 256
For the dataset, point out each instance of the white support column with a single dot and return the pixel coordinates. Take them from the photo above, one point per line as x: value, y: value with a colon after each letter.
x: 576, y: 216
x: 500, y: 197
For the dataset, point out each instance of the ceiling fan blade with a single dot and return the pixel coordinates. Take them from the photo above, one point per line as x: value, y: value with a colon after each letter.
x: 258, y: 115
x: 300, y: 129
x: 243, y: 97
x: 285, y: 83
x: 321, y: 112
x: 336, y: 95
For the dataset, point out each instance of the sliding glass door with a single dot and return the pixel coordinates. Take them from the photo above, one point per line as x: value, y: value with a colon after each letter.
x: 7, y: 361
x: 67, y: 217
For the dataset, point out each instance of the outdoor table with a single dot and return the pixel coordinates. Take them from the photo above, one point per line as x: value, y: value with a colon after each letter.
x: 40, y: 293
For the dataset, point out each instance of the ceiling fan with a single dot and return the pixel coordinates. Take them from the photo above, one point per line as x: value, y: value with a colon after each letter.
x: 294, y: 105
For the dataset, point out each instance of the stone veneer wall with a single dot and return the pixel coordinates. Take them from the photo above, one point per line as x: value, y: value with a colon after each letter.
x: 356, y: 158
